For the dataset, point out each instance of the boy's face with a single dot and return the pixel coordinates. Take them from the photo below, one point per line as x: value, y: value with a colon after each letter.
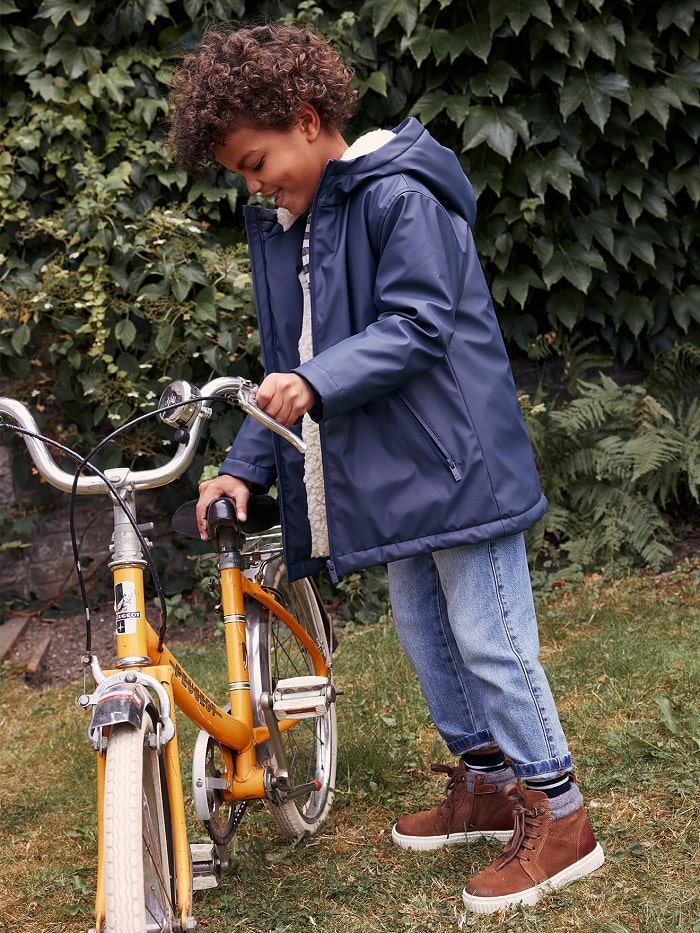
x: 285, y: 165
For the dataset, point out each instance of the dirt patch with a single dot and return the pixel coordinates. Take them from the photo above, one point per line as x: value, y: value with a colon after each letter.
x: 61, y: 662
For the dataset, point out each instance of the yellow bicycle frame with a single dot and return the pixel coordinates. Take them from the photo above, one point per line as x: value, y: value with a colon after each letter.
x: 233, y: 730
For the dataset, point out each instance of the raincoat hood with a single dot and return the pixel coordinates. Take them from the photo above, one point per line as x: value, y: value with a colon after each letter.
x: 414, y: 152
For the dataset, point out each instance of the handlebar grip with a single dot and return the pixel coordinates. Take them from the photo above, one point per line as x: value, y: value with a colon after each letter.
x: 250, y: 408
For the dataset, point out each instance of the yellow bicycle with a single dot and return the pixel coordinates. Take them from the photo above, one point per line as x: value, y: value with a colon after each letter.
x: 274, y: 740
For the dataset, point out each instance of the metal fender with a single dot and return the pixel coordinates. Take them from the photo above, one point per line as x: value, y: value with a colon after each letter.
x: 122, y: 698
x: 119, y: 703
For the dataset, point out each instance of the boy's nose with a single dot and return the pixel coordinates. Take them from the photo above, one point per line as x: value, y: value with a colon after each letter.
x: 253, y: 186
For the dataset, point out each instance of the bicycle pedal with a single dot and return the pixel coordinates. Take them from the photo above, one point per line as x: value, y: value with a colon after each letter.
x: 302, y: 697
x: 208, y: 862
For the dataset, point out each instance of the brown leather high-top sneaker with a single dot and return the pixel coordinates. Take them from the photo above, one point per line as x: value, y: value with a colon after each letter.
x: 474, y: 808
x: 544, y: 853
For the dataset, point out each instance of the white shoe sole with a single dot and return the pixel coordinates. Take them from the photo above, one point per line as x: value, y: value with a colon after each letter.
x: 584, y: 866
x: 428, y: 843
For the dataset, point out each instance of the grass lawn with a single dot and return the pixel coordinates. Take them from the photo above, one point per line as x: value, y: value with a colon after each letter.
x: 623, y: 660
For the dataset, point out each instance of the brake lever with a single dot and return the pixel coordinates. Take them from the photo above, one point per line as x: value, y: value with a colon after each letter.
x: 246, y: 400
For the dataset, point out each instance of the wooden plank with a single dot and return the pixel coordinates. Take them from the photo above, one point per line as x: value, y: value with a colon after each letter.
x: 37, y: 658
x: 10, y: 633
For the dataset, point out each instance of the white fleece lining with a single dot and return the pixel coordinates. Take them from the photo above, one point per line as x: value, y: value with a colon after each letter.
x: 313, y: 462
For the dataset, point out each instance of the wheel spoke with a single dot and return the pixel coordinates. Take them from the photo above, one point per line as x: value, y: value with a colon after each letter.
x: 310, y: 746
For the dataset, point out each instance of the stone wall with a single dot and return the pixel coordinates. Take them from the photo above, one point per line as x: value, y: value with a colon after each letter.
x: 44, y: 569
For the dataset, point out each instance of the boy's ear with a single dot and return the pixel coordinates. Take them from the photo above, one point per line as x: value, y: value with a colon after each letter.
x: 309, y: 121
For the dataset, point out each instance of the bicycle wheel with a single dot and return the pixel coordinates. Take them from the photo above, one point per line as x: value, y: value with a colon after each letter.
x: 138, y: 869
x: 311, y: 746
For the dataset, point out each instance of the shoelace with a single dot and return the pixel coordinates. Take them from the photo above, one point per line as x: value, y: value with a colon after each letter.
x: 525, y: 825
x: 456, y: 776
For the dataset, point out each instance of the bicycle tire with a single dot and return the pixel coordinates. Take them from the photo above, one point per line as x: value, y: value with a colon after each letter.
x: 138, y: 863
x: 311, y: 746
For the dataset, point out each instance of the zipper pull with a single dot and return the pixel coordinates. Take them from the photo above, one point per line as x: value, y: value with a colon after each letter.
x: 330, y: 567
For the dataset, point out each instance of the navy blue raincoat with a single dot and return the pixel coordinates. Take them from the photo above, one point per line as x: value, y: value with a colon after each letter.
x: 423, y: 442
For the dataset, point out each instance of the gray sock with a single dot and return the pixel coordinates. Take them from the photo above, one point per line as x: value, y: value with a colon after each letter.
x: 566, y: 804
x: 500, y: 778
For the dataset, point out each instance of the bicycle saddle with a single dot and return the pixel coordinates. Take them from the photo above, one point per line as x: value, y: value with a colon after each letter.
x: 263, y: 513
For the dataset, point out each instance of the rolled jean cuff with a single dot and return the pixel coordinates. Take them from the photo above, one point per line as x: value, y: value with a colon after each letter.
x: 469, y: 742
x: 551, y: 768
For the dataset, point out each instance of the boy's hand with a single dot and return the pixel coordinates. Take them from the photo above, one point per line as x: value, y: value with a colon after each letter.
x: 285, y: 397
x: 232, y: 488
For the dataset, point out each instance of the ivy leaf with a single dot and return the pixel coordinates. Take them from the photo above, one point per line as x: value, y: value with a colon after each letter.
x: 686, y: 81
x: 499, y: 128
x: 164, y: 338
x: 639, y: 50
x: 559, y: 38
x: 598, y: 37
x: 633, y: 310
x: 633, y: 206
x: 20, y: 338
x: 599, y: 225
x: 146, y: 110
x: 518, y: 12
x: 76, y: 59
x: 485, y: 176
x: 118, y: 178
x: 54, y: 10
x: 24, y: 48
x: 426, y: 41
x: 111, y: 83
x: 653, y: 200
x: 618, y: 178
x: 566, y: 306
x: 573, y: 263
x: 516, y: 283
x: 476, y: 37
x: 686, y: 307
x: 687, y: 177
x: 429, y: 105
x: 656, y: 101
x: 495, y: 82
x: 80, y: 12
x: 206, y: 305
x: 553, y: 169
x: 680, y: 13
x: 46, y: 86
x: 125, y: 332
x: 375, y: 82
x: 594, y: 92
x: 635, y: 241
x: 383, y: 11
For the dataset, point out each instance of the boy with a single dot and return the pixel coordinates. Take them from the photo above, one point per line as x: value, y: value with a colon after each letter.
x: 379, y: 336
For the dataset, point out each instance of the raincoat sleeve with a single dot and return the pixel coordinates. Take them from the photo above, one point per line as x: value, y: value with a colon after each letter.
x: 251, y: 457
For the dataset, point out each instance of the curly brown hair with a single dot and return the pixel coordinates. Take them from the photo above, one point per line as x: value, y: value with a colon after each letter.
x: 254, y: 76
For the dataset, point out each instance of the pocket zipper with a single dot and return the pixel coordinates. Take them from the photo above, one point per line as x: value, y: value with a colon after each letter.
x: 431, y: 436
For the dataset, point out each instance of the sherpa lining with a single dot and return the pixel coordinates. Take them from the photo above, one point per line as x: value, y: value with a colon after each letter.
x: 313, y: 462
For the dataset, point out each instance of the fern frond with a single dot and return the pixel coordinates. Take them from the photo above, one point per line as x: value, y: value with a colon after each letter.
x: 614, y: 456
x: 623, y: 519
x: 651, y: 450
x: 676, y: 374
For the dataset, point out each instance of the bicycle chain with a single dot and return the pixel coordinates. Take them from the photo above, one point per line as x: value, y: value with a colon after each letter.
x: 222, y: 838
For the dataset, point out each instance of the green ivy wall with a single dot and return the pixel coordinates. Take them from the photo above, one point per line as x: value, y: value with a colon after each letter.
x: 577, y: 121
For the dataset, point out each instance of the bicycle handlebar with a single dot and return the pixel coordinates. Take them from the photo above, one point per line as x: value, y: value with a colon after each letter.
x: 181, y: 405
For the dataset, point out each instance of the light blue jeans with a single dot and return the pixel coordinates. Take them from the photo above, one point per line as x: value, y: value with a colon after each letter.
x: 466, y: 620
